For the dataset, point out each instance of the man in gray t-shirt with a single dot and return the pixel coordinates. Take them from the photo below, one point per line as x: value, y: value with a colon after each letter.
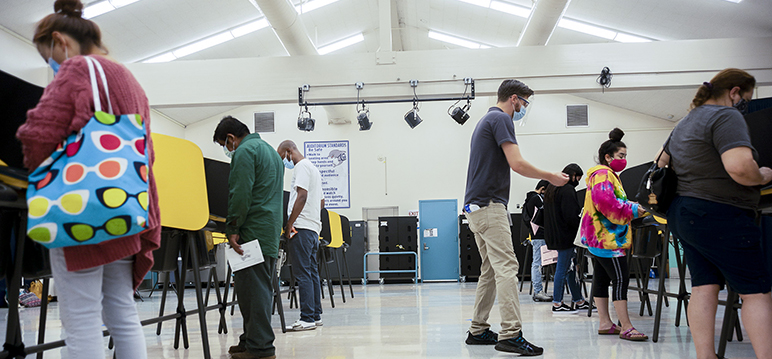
x: 703, y: 136
x: 493, y: 152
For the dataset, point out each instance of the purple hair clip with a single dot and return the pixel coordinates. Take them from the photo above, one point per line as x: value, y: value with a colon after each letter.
x: 708, y: 85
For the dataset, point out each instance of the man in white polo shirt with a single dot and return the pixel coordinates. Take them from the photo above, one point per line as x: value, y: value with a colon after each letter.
x: 303, y: 227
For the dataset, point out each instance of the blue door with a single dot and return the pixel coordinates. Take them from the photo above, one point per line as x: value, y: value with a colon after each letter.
x: 438, y: 223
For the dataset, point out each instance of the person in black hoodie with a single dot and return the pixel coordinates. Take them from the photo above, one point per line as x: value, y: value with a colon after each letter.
x: 561, y: 222
x: 534, y: 221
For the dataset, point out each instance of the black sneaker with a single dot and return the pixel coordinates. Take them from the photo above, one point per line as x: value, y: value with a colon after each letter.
x: 519, y: 345
x: 585, y: 306
x: 563, y: 309
x: 488, y: 337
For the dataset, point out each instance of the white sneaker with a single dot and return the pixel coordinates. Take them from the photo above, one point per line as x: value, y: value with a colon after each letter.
x: 300, y: 325
x: 319, y: 323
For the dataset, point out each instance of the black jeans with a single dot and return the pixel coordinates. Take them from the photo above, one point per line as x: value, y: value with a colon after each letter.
x: 721, y: 243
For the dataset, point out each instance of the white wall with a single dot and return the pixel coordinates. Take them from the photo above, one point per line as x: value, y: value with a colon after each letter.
x: 22, y: 60
x: 430, y: 161
x: 159, y: 124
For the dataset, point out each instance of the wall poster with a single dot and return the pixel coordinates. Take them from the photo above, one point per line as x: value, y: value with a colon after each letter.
x: 332, y: 160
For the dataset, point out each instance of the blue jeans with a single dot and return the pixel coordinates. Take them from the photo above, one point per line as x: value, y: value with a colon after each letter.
x: 303, y: 249
x: 565, y: 273
x: 536, y: 265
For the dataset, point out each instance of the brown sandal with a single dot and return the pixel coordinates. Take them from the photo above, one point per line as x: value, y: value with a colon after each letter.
x: 635, y: 337
x: 614, y: 330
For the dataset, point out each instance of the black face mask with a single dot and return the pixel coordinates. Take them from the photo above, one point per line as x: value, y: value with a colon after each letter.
x: 742, y: 106
x: 574, y: 183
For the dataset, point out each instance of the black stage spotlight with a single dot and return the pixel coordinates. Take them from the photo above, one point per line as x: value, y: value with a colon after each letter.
x: 460, y: 114
x: 305, y: 122
x: 604, y: 79
x: 412, y: 118
x: 364, y: 120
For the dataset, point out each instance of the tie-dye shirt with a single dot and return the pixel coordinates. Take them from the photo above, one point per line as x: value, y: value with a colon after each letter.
x: 605, y: 227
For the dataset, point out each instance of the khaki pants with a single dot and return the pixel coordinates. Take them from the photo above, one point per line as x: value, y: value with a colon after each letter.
x: 498, y: 273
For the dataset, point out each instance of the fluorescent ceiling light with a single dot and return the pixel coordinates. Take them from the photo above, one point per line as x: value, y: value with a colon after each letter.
x: 312, y: 5
x: 483, y: 3
x: 97, y: 9
x: 122, y: 3
x: 734, y: 1
x: 210, y: 41
x: 510, y: 9
x: 456, y: 40
x: 501, y: 6
x: 564, y: 23
x: 161, y: 58
x: 335, y: 46
x: 102, y: 7
x: 203, y: 44
x: 587, y: 28
x: 250, y: 27
x: 622, y: 37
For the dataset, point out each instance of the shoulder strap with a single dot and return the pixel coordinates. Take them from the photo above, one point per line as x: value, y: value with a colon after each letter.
x: 92, y: 62
x: 664, y: 147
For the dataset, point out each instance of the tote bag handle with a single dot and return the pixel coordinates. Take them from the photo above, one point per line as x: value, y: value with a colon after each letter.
x: 92, y: 62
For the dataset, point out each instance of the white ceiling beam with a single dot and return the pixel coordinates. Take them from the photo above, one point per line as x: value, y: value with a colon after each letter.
x: 384, y: 22
x: 542, y: 22
x: 549, y: 69
x: 289, y: 28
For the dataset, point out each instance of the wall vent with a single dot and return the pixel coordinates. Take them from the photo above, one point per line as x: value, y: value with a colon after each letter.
x: 264, y: 122
x: 576, y: 116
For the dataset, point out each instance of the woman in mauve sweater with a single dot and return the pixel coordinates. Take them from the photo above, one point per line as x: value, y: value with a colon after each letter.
x: 94, y: 282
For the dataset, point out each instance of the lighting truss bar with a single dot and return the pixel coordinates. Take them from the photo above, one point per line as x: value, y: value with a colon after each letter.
x: 303, y: 102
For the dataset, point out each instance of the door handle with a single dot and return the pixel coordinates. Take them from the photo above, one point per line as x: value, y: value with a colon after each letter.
x: 426, y: 247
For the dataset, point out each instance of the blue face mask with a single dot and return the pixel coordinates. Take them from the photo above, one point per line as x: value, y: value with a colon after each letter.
x: 517, y: 116
x: 54, y: 65
x: 288, y: 164
x: 51, y: 62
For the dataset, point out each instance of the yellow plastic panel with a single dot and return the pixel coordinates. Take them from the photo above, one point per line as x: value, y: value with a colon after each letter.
x: 336, y: 230
x: 10, y: 180
x: 179, y: 175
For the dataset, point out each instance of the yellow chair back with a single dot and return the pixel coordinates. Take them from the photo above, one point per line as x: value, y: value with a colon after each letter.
x: 336, y: 230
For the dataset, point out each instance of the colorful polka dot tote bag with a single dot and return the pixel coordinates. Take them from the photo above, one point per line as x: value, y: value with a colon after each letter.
x: 93, y: 188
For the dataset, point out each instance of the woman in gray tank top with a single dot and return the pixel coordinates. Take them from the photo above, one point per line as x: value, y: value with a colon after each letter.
x: 713, y: 214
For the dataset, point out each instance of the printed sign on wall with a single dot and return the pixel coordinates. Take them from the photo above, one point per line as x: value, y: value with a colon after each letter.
x: 331, y: 158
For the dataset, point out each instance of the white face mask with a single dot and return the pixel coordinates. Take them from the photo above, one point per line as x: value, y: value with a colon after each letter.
x: 228, y: 153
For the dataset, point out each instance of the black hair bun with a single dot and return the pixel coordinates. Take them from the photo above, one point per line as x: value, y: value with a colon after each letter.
x: 72, y: 8
x: 616, y: 135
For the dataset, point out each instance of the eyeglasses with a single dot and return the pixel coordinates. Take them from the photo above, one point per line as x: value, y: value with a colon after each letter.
x: 81, y: 232
x: 141, y: 169
x: 114, y: 197
x: 525, y: 102
x: 44, y: 232
x: 108, y: 142
x: 108, y: 169
x: 108, y: 119
x: 73, y: 148
x: 50, y: 175
x: 71, y: 203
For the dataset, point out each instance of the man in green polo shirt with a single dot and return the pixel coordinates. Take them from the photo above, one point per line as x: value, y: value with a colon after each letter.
x: 255, y: 195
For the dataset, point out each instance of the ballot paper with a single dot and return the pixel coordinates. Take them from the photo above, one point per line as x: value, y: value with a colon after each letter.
x: 252, y: 256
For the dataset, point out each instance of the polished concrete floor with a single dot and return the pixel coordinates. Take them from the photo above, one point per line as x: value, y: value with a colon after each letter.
x: 406, y: 321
